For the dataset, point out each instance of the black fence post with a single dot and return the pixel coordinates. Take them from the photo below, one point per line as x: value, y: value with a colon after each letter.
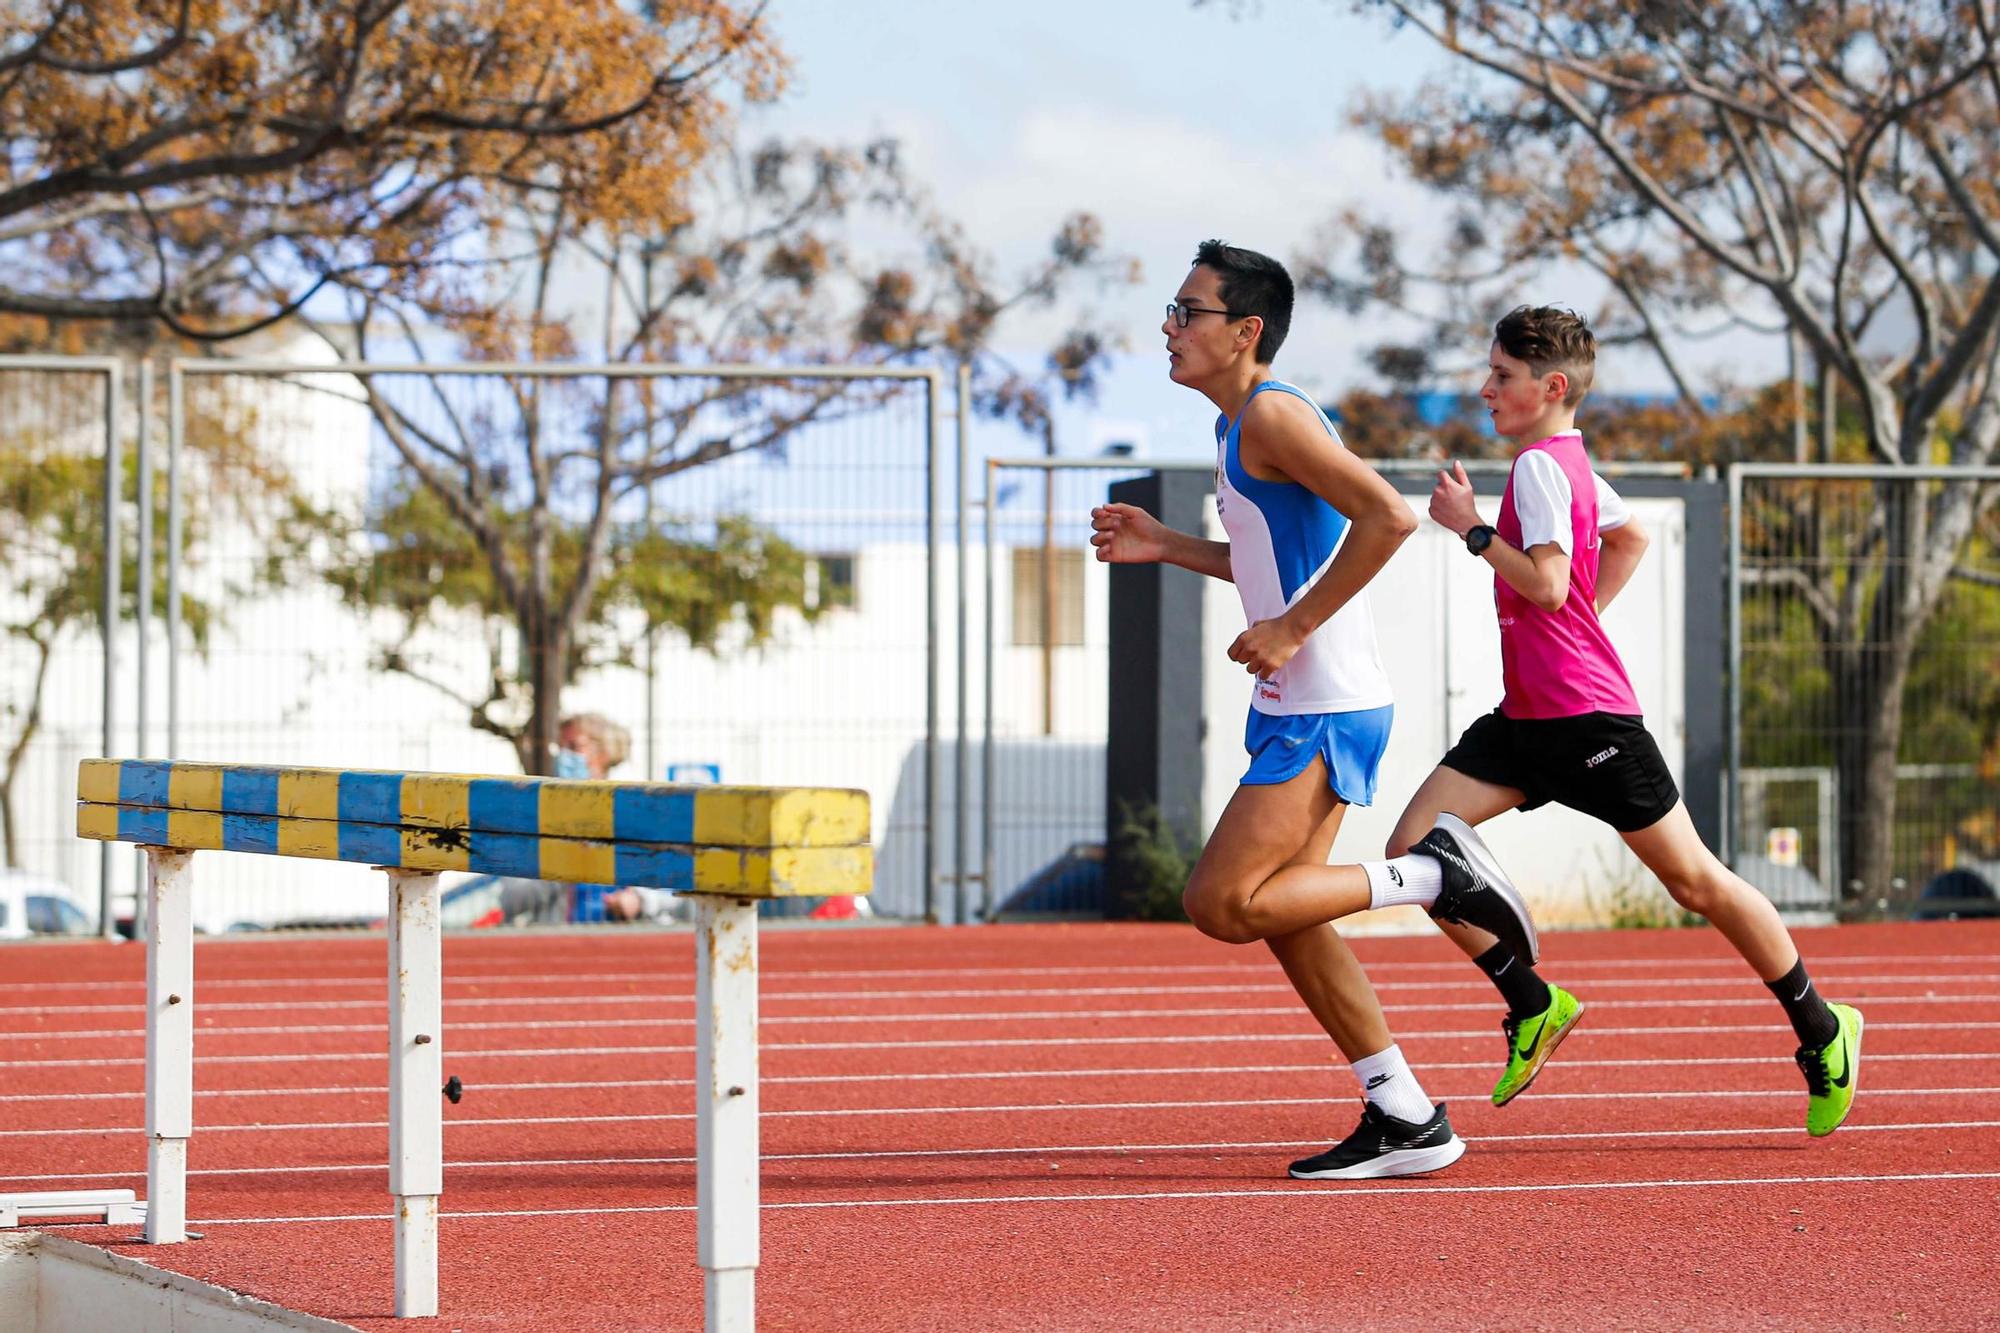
x: 1707, y: 647
x: 1153, y: 763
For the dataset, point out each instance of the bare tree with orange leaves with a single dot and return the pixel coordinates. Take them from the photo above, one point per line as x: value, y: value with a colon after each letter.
x: 782, y: 255
x: 1827, y: 169
x: 214, y: 164
x: 546, y: 180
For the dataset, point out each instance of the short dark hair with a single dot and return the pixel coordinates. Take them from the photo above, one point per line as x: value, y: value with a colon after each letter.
x: 1550, y: 338
x: 1253, y: 284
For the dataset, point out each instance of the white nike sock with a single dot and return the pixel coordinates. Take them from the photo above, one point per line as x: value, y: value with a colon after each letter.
x: 1407, y: 879
x: 1386, y: 1080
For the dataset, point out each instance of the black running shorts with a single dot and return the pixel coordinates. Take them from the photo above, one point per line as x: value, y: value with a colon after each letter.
x: 1605, y: 764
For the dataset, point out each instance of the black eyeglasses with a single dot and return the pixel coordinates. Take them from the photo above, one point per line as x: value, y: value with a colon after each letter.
x: 1181, y: 314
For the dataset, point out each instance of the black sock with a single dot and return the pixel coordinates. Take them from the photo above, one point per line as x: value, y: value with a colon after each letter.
x: 1811, y: 1019
x: 1525, y: 993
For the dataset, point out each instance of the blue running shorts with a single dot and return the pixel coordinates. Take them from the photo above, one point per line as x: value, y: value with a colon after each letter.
x: 1351, y: 743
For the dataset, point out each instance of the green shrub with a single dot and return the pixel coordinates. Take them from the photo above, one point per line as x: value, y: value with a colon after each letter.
x: 1149, y: 864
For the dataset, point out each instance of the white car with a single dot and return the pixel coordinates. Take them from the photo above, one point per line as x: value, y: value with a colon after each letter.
x: 34, y: 905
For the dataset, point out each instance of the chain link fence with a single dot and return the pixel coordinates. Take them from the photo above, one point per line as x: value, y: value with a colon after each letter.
x: 1865, y: 687
x: 765, y: 614
x: 1044, y: 653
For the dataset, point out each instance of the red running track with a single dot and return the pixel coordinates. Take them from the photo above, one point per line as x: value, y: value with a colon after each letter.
x: 1050, y: 1127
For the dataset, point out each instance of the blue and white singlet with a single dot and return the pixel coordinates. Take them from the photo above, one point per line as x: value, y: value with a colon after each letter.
x: 1282, y: 538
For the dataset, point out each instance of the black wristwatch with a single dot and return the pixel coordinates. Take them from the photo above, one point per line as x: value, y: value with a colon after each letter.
x: 1477, y: 538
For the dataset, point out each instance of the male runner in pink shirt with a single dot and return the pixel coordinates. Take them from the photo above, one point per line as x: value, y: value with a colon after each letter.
x: 1568, y: 727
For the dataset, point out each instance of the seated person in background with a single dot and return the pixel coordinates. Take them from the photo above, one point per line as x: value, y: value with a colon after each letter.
x: 590, y: 745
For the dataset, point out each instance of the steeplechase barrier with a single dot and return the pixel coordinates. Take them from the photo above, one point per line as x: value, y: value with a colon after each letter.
x: 728, y: 847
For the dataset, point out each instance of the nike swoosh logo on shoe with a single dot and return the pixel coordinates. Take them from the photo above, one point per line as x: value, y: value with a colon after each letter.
x: 1542, y: 1026
x: 1846, y: 1065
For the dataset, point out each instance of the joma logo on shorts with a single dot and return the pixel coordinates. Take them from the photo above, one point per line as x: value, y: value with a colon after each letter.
x: 1600, y: 756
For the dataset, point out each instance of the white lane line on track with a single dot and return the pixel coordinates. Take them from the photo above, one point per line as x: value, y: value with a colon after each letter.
x: 980, y: 1075
x: 807, y: 1113
x: 969, y: 1044
x: 1821, y: 963
x: 1376, y: 1190
x: 1036, y: 1150
x: 979, y: 1016
x: 769, y: 996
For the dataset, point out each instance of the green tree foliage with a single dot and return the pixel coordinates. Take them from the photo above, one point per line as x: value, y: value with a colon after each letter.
x: 721, y: 585
x: 53, y: 550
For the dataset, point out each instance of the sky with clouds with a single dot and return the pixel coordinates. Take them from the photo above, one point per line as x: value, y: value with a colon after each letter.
x: 1170, y: 122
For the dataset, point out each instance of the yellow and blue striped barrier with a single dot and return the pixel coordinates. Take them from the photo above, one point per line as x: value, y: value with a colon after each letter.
x: 762, y: 842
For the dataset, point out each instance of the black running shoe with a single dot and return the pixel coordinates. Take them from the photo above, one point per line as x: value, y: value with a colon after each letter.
x: 1477, y: 891
x: 1381, y: 1145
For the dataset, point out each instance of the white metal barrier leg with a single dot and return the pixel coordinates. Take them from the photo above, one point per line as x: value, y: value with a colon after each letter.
x: 726, y: 1167
x: 169, y: 1040
x: 416, y: 1065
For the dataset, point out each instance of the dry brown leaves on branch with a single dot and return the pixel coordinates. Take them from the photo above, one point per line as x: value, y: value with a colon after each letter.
x: 211, y: 162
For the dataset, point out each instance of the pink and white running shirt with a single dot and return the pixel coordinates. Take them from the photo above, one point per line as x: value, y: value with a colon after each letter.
x: 1559, y: 663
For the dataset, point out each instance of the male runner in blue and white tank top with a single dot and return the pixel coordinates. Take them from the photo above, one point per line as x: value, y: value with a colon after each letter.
x: 1309, y: 524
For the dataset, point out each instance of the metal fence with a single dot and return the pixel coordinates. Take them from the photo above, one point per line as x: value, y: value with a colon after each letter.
x: 61, y: 419
x: 315, y: 611
x: 319, y: 607
x: 1865, y: 684
x: 794, y: 523
x: 1046, y: 677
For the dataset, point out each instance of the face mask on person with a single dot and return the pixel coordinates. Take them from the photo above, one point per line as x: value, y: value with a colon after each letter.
x: 570, y: 764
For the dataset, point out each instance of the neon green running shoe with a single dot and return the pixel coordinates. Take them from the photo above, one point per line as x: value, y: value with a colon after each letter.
x: 1832, y: 1073
x: 1531, y: 1041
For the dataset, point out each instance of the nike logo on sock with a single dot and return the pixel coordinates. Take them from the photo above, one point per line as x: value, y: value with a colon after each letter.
x: 1395, y: 876
x: 1802, y: 993
x: 1503, y: 968
x: 1378, y: 1081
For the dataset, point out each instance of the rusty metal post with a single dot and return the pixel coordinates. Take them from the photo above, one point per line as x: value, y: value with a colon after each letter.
x: 169, y: 1040
x: 726, y: 1145
x: 416, y: 1071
